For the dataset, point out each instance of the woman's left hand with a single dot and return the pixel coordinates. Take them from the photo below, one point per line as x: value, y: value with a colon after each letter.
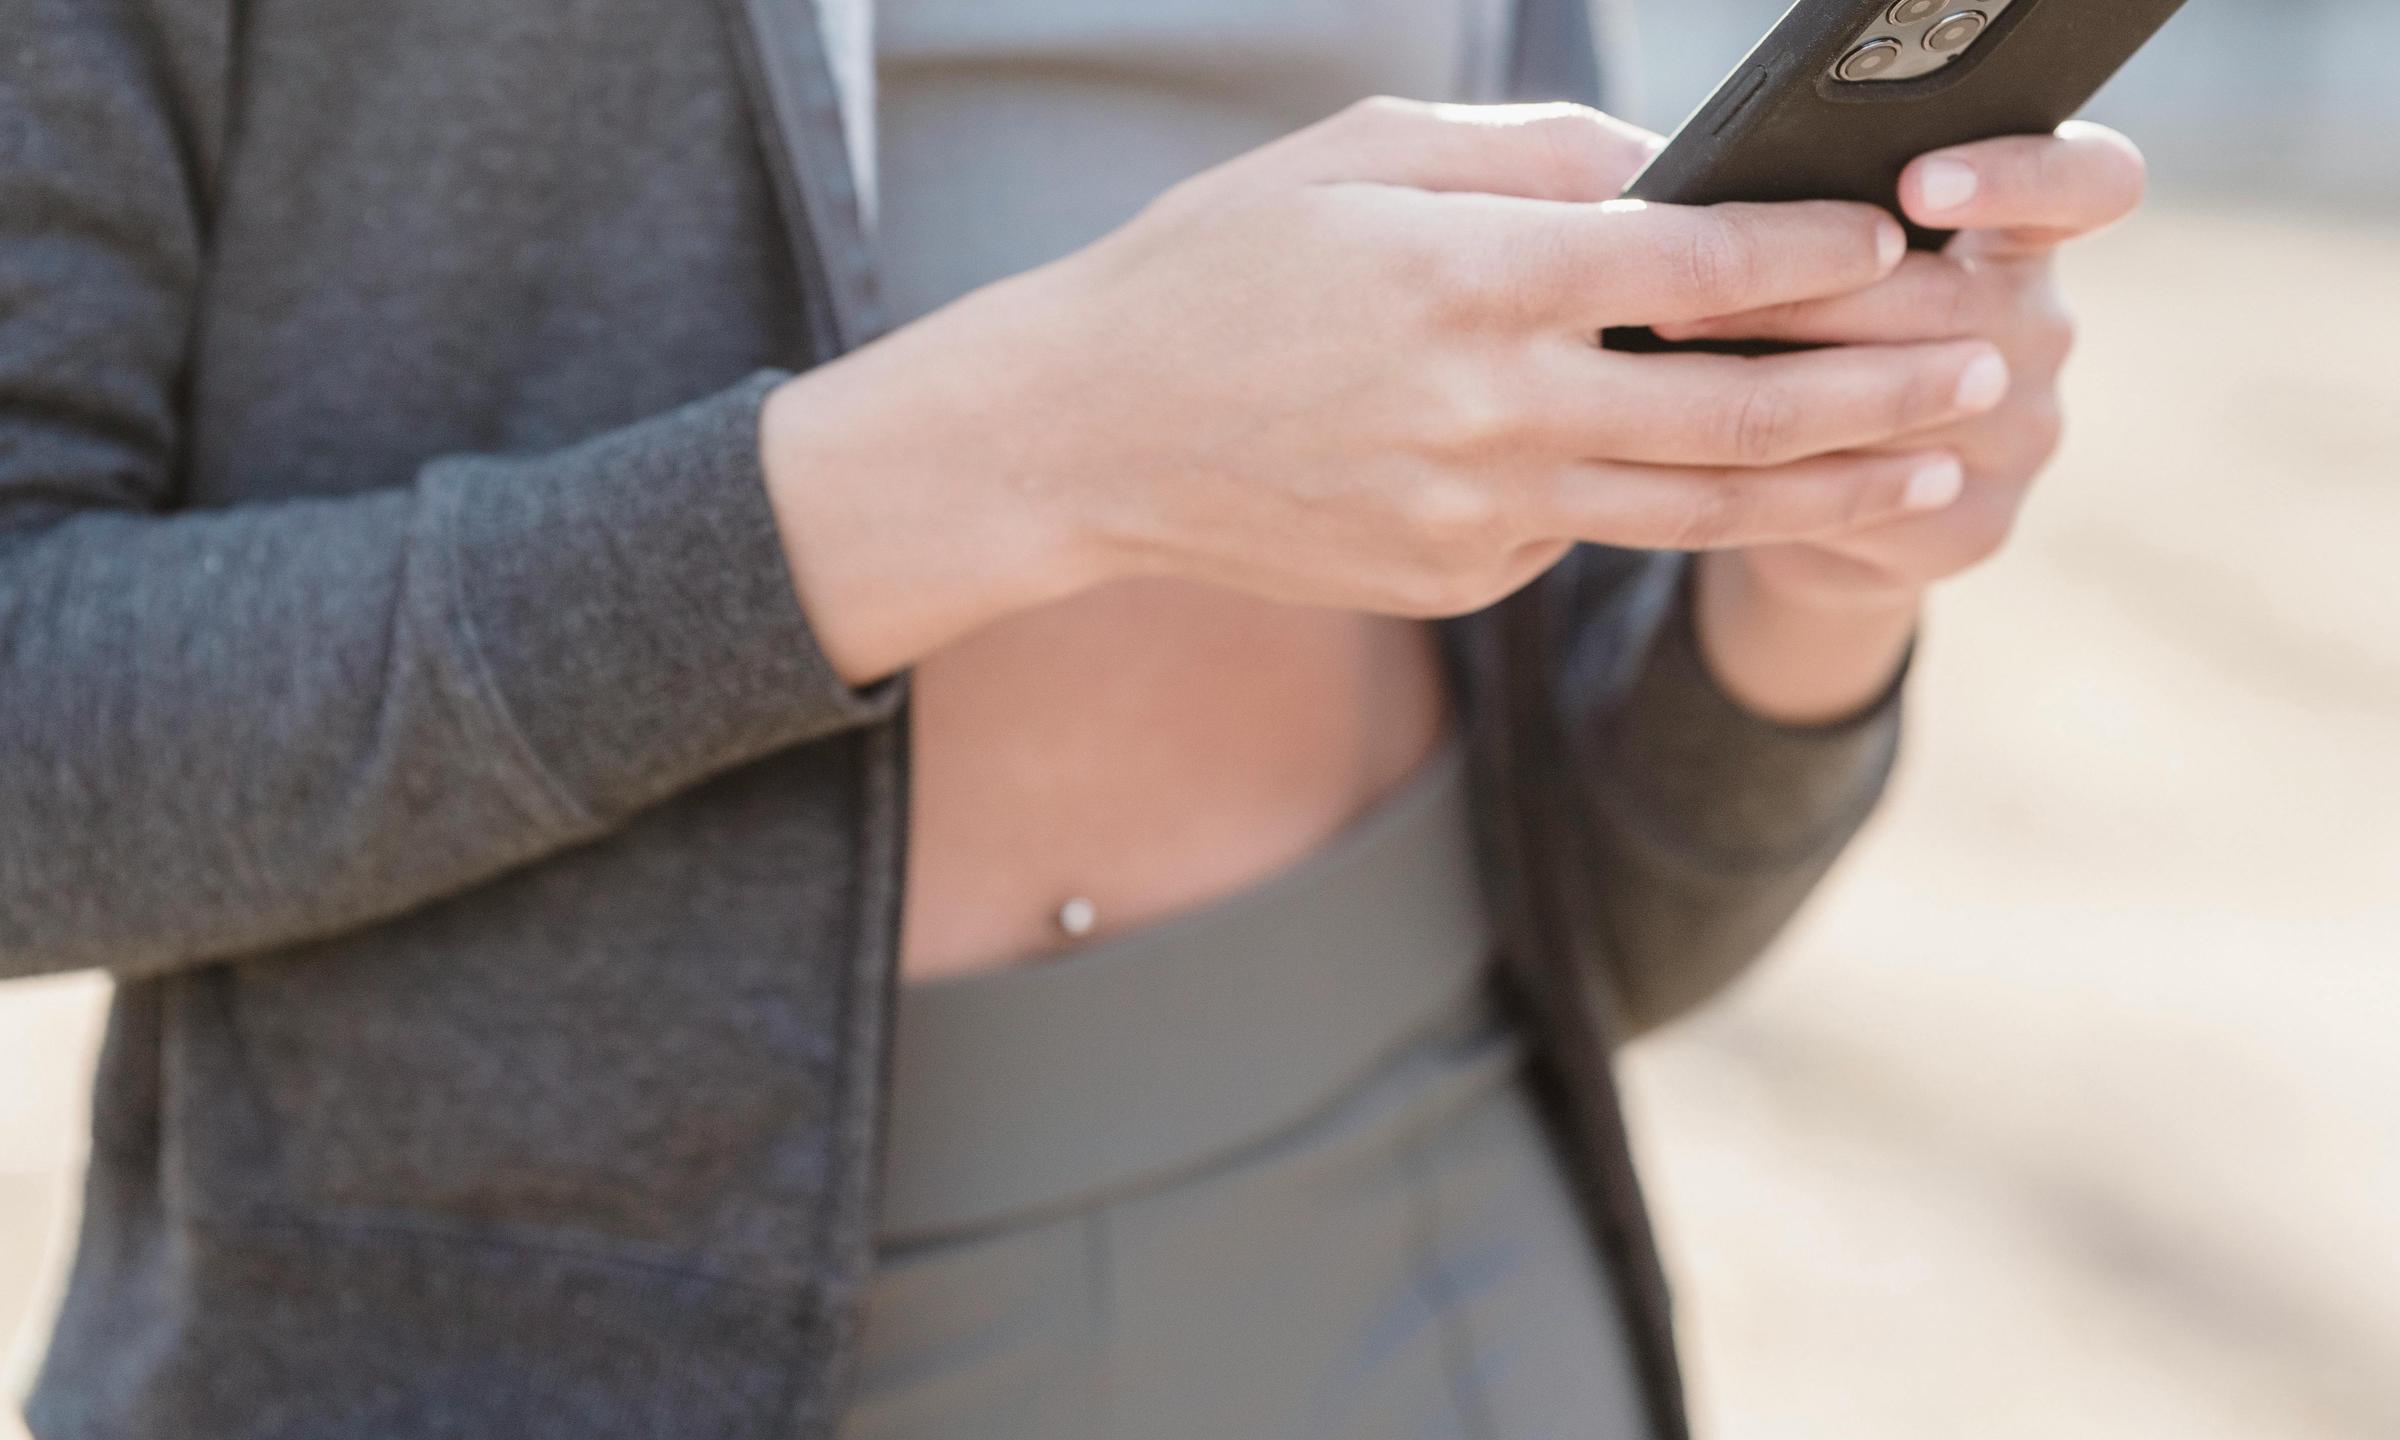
x: 2015, y: 202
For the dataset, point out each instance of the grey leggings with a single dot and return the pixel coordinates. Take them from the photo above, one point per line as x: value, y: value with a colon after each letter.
x: 1265, y: 1172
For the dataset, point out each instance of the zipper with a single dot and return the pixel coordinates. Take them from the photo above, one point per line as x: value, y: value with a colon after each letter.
x: 797, y: 112
x: 1535, y: 821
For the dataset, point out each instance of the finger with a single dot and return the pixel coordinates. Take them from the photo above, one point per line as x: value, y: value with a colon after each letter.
x: 1539, y: 152
x: 1723, y: 410
x: 2039, y: 188
x: 1662, y: 508
x: 1930, y: 297
x: 2008, y: 246
x: 1923, y: 548
x: 1632, y: 263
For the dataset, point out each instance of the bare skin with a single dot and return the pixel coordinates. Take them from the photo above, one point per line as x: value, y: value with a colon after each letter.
x: 1147, y: 746
x: 1155, y: 524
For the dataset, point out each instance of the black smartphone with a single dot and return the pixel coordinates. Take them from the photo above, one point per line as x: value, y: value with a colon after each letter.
x: 1843, y: 94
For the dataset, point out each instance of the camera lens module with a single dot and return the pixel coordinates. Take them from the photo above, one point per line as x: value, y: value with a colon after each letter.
x: 1956, y: 32
x: 1912, y: 39
x: 1870, y: 60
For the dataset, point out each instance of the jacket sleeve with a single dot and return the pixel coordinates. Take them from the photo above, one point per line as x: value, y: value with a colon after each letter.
x: 228, y: 729
x: 1707, y: 826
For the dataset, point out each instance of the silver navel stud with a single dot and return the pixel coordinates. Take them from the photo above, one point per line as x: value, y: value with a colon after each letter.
x: 1078, y: 916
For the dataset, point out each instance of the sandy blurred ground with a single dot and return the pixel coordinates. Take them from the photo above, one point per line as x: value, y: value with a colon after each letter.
x: 2074, y: 1108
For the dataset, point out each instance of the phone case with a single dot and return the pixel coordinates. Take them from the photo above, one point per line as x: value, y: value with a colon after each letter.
x: 1782, y: 127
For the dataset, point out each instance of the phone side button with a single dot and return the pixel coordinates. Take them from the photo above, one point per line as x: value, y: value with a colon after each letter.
x: 1738, y: 100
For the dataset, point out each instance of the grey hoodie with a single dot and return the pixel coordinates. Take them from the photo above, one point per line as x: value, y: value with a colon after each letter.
x: 403, y: 695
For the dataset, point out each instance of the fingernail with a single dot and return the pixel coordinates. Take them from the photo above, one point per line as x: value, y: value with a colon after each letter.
x: 1946, y: 185
x: 1935, y: 485
x: 1891, y: 244
x: 1984, y: 385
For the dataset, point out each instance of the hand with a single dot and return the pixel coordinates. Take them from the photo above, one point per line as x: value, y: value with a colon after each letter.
x: 2016, y: 201
x: 1356, y: 368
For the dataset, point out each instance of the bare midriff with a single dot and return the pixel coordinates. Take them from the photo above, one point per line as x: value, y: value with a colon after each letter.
x: 1153, y: 745
x: 1146, y: 748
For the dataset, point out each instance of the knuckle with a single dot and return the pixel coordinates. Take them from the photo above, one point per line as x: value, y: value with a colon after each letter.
x: 1966, y: 301
x: 1921, y: 392
x: 1474, y: 420
x: 1575, y: 152
x: 1374, y: 112
x: 1526, y: 279
x: 1444, y: 280
x: 2053, y: 334
x: 1719, y: 260
x: 2041, y: 435
x: 1765, y: 424
x: 1871, y: 500
x: 1708, y: 520
x: 1430, y: 284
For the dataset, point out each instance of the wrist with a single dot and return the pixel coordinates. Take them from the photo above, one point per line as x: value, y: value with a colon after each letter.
x: 896, y: 513
x: 1803, y: 659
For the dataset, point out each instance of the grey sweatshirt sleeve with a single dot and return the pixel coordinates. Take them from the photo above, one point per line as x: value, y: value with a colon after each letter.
x: 224, y: 730
x: 1708, y: 825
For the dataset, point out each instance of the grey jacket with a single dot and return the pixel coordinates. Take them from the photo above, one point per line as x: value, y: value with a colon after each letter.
x: 403, y: 696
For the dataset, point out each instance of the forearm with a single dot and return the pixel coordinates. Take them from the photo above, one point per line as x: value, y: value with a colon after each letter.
x: 917, y: 500
x: 238, y: 728
x: 1711, y: 823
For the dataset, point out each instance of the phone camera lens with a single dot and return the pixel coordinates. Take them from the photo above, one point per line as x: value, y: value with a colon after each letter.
x: 1910, y: 12
x: 1870, y: 60
x: 1956, y: 33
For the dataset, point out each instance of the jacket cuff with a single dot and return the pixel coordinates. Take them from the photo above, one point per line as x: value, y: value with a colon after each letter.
x: 1702, y: 774
x: 631, y: 607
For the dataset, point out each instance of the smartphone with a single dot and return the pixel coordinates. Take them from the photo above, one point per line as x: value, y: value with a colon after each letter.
x: 1843, y: 94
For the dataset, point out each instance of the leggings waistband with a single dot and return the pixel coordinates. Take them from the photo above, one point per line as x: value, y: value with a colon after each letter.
x: 1031, y: 1090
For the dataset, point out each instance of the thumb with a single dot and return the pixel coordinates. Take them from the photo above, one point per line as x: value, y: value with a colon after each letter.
x: 1535, y: 152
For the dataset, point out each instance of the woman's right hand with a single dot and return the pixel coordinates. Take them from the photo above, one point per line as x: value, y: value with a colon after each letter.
x: 1355, y: 368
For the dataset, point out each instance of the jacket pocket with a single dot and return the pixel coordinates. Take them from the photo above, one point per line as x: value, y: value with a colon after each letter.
x: 298, y: 1332
x: 648, y: 1045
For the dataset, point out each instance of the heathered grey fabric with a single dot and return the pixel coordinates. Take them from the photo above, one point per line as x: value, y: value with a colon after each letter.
x: 401, y: 693
x: 1269, y: 1168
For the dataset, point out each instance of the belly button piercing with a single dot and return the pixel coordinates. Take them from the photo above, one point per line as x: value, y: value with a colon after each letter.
x: 1078, y: 916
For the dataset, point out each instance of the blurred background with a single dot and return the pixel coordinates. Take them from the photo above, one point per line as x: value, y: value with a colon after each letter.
x: 2073, y: 1107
